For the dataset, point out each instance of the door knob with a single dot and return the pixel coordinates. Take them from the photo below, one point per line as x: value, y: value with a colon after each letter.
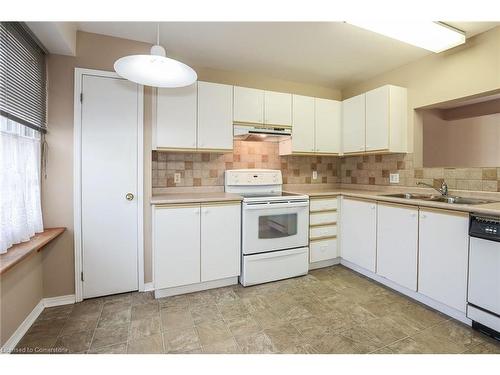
x: 129, y: 196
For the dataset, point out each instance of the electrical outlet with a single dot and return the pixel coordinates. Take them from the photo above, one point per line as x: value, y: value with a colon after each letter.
x: 394, y: 178
x: 315, y: 175
x: 177, y: 178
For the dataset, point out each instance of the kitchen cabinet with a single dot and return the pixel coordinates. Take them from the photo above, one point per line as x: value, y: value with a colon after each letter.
x: 196, y: 243
x: 176, y: 122
x: 359, y: 232
x: 220, y: 241
x: 322, y: 230
x: 386, y: 119
x: 277, y: 108
x: 443, y: 257
x: 353, y: 124
x: 397, y: 243
x: 215, y: 116
x: 176, y: 243
x: 302, y: 124
x: 248, y: 105
x: 328, y: 121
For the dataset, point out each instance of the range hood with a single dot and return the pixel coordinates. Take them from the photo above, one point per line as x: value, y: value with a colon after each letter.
x: 261, y: 133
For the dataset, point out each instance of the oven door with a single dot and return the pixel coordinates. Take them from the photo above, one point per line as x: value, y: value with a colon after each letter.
x: 274, y: 226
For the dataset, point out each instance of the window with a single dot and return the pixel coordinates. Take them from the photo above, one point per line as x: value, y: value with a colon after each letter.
x: 22, y: 122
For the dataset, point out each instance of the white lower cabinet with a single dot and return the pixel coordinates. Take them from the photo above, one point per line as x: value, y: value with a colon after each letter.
x: 220, y: 242
x: 359, y: 232
x: 197, y: 243
x: 443, y: 257
x: 323, y: 250
x: 176, y: 246
x: 397, y: 244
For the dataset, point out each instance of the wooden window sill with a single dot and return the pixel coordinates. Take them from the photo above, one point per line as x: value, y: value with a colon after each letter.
x: 15, y: 254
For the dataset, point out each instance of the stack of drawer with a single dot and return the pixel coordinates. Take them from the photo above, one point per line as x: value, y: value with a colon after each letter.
x: 323, y: 228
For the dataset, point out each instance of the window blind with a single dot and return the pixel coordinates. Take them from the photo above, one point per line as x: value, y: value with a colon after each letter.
x: 22, y: 77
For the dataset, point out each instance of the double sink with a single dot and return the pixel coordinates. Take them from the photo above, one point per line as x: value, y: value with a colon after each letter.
x: 439, y: 198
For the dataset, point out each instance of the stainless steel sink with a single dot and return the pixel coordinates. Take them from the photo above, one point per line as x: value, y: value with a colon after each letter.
x: 439, y: 198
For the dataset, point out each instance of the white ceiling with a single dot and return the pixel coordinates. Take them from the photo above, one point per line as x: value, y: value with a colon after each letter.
x: 333, y: 54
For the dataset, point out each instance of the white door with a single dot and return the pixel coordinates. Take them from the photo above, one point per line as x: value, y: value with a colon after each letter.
x: 303, y: 124
x: 328, y: 119
x: 110, y: 114
x: 176, y: 117
x: 443, y: 257
x: 377, y: 119
x: 220, y: 241
x: 353, y: 124
x: 215, y: 116
x: 248, y: 105
x: 277, y: 108
x: 359, y: 232
x: 397, y: 244
x: 176, y: 246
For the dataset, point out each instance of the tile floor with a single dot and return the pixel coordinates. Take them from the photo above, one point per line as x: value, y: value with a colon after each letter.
x: 332, y: 310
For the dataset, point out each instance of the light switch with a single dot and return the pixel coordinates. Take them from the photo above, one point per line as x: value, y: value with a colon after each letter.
x: 315, y: 175
x: 394, y: 178
x: 177, y: 178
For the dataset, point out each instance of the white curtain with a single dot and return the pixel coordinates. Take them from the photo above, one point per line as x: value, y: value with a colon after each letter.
x: 20, y: 207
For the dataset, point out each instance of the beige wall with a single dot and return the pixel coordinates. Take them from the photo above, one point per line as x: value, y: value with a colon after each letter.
x: 463, y: 71
x: 21, y: 290
x: 99, y: 52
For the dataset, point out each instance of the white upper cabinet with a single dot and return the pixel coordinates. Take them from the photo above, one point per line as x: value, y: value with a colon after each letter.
x: 397, y: 243
x: 176, y: 117
x: 215, y: 116
x: 359, y: 232
x: 353, y: 124
x: 443, y: 257
x: 328, y: 120
x: 386, y: 119
x: 248, y: 105
x: 277, y: 108
x: 303, y: 124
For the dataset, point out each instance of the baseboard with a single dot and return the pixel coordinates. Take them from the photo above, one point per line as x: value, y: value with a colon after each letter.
x: 447, y: 310
x: 168, y: 292
x: 31, y: 318
x: 18, y: 334
x: 148, y: 287
x: 59, y: 301
x: 324, y: 263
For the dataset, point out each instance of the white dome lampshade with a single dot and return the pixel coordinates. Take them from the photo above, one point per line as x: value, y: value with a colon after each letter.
x: 155, y: 69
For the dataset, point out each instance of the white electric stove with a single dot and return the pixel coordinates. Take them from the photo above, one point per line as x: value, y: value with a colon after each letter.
x: 275, y: 226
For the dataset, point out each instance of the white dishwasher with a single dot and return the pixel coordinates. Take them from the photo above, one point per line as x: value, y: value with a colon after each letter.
x: 484, y: 274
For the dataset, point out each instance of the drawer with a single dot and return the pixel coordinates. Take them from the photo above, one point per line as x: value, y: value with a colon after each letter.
x: 326, y: 231
x: 323, y: 204
x: 322, y: 218
x: 323, y: 250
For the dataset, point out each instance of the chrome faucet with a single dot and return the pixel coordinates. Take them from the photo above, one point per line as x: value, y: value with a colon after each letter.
x: 443, y: 190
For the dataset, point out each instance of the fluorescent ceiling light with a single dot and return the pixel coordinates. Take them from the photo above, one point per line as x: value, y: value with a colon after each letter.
x: 155, y: 69
x: 432, y: 36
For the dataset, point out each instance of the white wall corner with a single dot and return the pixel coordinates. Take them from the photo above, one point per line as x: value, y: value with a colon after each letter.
x: 57, y: 37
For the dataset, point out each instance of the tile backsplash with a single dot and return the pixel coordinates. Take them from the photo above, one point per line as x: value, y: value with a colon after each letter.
x: 375, y: 170
x: 207, y: 169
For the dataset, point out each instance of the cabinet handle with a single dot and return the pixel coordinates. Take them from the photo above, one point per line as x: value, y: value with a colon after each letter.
x: 423, y: 216
x: 373, y: 207
x: 413, y: 215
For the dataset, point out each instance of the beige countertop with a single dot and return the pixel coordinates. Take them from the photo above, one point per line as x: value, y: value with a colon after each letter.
x: 194, y: 197
x: 378, y: 195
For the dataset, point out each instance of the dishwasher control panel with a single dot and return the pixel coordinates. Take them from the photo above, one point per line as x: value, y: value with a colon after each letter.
x: 486, y: 227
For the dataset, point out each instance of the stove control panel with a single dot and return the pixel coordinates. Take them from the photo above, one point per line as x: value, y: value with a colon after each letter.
x: 253, y: 177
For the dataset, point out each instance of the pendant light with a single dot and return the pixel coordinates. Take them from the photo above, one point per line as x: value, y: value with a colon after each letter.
x: 155, y: 69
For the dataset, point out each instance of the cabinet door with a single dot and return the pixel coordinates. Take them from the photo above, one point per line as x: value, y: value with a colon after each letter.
x: 176, y: 117
x: 397, y: 243
x: 220, y: 241
x: 327, y: 125
x: 353, y: 124
x: 359, y: 232
x: 215, y: 116
x: 248, y: 105
x: 277, y: 108
x: 303, y: 124
x: 377, y: 119
x: 176, y: 245
x: 443, y: 257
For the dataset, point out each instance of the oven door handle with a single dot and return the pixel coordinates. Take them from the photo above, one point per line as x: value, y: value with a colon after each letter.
x: 261, y: 206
